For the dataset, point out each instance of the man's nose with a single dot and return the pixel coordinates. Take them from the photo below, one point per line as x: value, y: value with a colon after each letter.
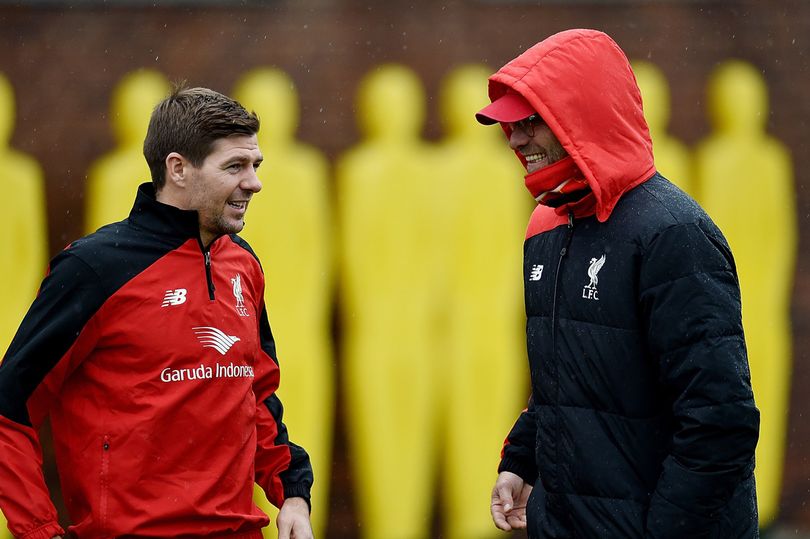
x: 518, y: 138
x: 251, y: 182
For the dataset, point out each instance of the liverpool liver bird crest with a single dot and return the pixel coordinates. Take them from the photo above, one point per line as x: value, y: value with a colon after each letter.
x: 593, y: 271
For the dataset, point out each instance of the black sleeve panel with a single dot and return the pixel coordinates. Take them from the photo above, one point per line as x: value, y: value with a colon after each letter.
x: 69, y: 296
x: 518, y: 454
x: 297, y: 479
x: 80, y: 279
x: 690, y: 299
x: 266, y: 336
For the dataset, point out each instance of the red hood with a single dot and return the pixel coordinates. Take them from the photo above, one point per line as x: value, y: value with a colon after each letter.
x: 581, y: 83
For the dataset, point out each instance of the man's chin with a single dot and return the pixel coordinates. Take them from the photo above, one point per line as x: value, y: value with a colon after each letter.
x: 230, y: 227
x: 236, y: 229
x: 534, y: 167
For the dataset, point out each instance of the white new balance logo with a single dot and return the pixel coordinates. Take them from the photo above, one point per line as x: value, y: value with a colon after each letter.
x: 537, y: 272
x: 215, y: 338
x: 174, y: 297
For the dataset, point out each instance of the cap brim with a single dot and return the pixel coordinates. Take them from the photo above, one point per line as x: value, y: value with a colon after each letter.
x: 510, y: 107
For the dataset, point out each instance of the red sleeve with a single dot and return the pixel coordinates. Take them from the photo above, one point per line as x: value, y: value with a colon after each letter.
x: 25, y: 499
x: 55, y: 335
x: 283, y: 468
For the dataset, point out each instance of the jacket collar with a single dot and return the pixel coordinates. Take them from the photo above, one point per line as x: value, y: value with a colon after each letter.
x: 557, y: 181
x: 160, y: 218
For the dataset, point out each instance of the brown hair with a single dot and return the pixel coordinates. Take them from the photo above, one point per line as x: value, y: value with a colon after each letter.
x: 188, y: 122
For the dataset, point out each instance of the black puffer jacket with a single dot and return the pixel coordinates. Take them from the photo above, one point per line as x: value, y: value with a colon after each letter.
x: 642, y: 421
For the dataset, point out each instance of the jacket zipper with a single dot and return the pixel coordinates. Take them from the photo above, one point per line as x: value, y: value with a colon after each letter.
x: 105, y: 481
x: 563, y: 252
x: 209, y: 279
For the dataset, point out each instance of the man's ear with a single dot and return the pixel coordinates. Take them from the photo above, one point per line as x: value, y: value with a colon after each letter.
x: 177, y: 170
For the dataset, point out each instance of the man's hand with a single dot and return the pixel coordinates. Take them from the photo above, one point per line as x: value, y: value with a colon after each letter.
x: 293, y: 520
x: 509, y: 498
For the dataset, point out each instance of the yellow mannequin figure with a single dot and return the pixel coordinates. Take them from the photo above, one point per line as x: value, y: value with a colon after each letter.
x: 23, y: 261
x: 289, y: 227
x: 485, y: 377
x: 114, y: 177
x: 387, y: 217
x: 671, y: 155
x: 745, y: 182
x: 23, y: 231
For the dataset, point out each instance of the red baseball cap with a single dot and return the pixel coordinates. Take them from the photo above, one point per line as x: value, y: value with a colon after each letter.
x: 510, y: 107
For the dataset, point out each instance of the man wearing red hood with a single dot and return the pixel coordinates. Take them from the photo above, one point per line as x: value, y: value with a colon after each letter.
x: 642, y: 421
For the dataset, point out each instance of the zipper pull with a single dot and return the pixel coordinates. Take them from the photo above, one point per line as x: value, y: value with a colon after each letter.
x: 569, y: 234
x: 208, y: 277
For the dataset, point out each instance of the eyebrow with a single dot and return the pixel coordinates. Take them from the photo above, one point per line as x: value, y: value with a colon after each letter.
x: 242, y: 159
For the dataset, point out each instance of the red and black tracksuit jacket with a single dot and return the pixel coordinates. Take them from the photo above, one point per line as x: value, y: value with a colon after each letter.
x: 154, y: 359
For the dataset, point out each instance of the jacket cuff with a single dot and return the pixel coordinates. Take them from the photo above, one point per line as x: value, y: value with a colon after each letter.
x: 46, y: 531
x: 298, y: 490
x: 525, y: 470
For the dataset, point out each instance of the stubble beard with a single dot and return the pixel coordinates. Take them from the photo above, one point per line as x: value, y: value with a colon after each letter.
x: 220, y: 226
x: 555, y: 153
x: 229, y: 227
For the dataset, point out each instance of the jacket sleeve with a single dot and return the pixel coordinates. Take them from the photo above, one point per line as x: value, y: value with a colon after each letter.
x: 283, y: 468
x: 518, y: 455
x: 47, y: 346
x: 690, y: 303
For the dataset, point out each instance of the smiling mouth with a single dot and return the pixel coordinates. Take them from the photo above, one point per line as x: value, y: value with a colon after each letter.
x: 535, y: 161
x: 238, y: 205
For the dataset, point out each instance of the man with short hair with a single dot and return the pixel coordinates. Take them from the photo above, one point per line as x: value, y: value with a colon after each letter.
x: 149, y: 348
x: 642, y: 420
